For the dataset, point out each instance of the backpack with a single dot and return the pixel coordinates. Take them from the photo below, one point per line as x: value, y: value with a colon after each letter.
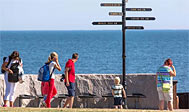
x: 44, y: 74
x: 14, y: 77
x: 4, y: 58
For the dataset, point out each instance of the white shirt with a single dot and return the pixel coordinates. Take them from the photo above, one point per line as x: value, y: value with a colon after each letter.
x: 117, y: 90
x: 51, y: 67
x: 12, y: 61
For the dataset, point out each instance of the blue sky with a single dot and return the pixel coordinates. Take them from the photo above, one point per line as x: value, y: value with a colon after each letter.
x: 79, y: 14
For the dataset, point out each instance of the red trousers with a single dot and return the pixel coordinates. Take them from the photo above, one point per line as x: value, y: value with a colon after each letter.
x: 51, y: 93
x: 44, y: 88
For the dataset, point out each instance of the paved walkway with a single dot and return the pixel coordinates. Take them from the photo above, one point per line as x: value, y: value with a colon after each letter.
x: 181, y: 110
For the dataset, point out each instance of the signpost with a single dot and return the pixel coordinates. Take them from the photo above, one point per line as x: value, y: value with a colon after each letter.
x: 124, y: 27
x: 107, y: 23
x: 117, y: 23
x: 111, y: 4
x: 138, y: 9
x: 134, y: 27
x: 115, y: 13
x: 140, y: 18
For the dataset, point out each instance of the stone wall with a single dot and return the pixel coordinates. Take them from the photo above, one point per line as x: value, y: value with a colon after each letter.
x: 97, y: 84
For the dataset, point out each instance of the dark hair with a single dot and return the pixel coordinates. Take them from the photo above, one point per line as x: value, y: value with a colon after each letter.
x: 14, y: 54
x: 168, y: 62
x: 75, y: 56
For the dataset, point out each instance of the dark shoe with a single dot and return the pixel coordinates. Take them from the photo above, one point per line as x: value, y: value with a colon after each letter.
x: 4, y: 105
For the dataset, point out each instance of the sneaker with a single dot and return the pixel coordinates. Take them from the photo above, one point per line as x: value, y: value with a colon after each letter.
x: 43, y: 102
x: 4, y: 105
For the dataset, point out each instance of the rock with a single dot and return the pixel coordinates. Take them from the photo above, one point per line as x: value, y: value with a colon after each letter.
x: 96, y: 84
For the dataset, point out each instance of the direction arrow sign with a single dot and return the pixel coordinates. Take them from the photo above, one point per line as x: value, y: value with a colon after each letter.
x: 134, y: 27
x: 138, y: 9
x: 107, y: 23
x: 111, y: 4
x: 117, y: 23
x: 140, y: 18
x: 115, y: 13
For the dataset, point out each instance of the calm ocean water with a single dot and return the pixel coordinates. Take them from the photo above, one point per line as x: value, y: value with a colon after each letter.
x: 101, y: 51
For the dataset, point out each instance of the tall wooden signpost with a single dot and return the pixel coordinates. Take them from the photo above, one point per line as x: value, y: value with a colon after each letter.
x: 124, y: 27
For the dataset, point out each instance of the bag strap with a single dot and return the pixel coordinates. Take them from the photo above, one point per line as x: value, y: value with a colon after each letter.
x: 20, y: 60
x: 10, y: 58
x: 160, y: 76
x: 52, y: 70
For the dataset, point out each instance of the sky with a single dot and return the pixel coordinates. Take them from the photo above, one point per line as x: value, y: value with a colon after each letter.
x: 79, y: 14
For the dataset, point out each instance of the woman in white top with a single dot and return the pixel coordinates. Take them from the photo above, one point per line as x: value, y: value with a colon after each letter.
x: 10, y: 86
x: 53, y: 64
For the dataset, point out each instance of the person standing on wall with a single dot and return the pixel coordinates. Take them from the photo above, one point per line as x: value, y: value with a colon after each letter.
x: 53, y: 64
x: 164, y: 81
x: 70, y: 79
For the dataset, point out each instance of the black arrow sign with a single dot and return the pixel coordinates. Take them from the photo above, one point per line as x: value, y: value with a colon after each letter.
x: 134, y: 27
x: 115, y: 13
x: 117, y: 23
x: 107, y: 23
x: 111, y: 4
x: 138, y: 9
x: 127, y: 9
x: 140, y: 18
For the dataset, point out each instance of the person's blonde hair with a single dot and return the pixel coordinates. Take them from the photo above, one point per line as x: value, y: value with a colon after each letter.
x: 117, y: 79
x: 51, y: 56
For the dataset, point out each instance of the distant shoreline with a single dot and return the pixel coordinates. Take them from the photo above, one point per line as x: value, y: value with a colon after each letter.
x: 102, y: 30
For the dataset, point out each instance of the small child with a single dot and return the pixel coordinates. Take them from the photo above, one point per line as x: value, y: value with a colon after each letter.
x: 117, y: 91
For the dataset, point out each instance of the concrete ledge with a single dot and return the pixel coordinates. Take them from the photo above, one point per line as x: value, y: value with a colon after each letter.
x: 98, y: 84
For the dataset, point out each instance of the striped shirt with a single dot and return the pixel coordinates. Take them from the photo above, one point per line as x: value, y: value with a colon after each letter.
x: 117, y: 89
x: 163, y: 75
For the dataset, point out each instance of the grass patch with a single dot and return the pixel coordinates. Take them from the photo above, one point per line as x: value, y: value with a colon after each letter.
x: 17, y: 109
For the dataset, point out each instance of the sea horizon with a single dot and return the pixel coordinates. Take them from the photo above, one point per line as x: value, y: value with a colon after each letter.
x: 101, y: 50
x: 105, y: 30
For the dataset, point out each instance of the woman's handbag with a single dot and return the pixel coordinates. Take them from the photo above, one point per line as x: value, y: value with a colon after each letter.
x: 14, y: 77
x: 166, y: 87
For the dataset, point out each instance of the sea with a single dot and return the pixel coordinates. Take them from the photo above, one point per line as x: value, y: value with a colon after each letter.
x: 100, y: 52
